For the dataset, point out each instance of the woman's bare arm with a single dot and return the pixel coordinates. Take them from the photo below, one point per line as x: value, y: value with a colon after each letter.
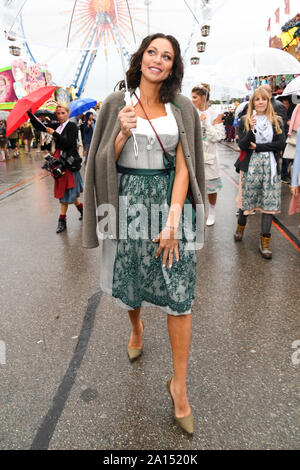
x: 167, y: 239
x: 180, y: 188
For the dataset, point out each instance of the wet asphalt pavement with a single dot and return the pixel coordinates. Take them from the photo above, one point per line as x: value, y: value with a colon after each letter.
x: 66, y: 381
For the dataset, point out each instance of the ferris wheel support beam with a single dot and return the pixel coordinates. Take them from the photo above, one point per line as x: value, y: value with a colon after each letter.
x: 124, y: 53
x: 25, y: 42
x: 86, y: 74
x: 86, y: 52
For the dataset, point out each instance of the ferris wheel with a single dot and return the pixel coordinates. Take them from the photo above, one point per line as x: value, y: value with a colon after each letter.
x: 91, y: 25
x: 97, y: 22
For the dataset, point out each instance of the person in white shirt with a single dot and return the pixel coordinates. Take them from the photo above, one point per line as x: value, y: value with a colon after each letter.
x: 213, y: 132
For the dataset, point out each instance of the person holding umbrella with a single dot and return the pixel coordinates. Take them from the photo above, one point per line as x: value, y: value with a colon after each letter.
x: 261, y: 140
x: 69, y: 185
x: 153, y: 265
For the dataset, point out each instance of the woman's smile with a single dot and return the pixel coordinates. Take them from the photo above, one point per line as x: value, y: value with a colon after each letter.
x: 155, y: 70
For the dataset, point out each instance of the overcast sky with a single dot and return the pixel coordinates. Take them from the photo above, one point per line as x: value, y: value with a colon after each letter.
x: 237, y: 25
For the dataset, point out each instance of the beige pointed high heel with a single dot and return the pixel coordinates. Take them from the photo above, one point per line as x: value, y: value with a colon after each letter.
x: 134, y: 354
x: 187, y: 422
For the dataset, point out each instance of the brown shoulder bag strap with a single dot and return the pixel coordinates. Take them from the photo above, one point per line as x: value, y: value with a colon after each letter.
x: 160, y: 142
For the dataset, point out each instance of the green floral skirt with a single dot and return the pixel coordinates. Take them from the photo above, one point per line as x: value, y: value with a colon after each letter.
x: 258, y: 191
x: 138, y: 277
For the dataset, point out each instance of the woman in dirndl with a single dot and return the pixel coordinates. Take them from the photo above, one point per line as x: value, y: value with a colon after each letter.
x: 148, y: 263
x: 213, y: 132
x: 261, y: 140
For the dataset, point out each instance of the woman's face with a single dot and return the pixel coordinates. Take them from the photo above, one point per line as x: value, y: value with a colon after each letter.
x: 62, y: 115
x: 157, y: 61
x: 260, y: 104
x: 197, y: 100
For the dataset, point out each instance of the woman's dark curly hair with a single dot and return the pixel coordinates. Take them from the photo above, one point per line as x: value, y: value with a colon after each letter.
x: 172, y: 85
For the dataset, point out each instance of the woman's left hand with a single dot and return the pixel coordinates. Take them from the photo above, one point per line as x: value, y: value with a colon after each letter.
x: 252, y: 146
x: 218, y: 119
x: 49, y: 130
x: 168, y: 243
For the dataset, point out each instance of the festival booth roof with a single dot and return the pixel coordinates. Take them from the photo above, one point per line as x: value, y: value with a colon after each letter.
x: 17, y: 80
x: 290, y: 35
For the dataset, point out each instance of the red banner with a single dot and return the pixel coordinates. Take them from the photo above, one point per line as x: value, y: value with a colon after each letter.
x: 277, y: 15
x: 287, y: 7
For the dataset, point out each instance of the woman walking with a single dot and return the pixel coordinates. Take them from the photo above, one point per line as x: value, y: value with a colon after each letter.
x: 27, y: 138
x: 69, y: 185
x: 295, y: 184
x: 3, y: 141
x: 148, y: 262
x: 261, y: 139
x: 213, y: 132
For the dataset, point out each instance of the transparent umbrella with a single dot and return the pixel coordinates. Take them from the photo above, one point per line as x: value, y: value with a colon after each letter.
x: 202, y: 73
x: 256, y: 62
x: 293, y: 88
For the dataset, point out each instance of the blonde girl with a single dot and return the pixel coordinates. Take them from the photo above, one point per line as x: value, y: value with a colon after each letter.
x: 261, y: 140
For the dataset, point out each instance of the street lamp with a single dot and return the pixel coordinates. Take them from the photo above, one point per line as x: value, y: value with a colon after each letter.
x: 201, y: 46
x: 205, y: 30
x: 195, y: 60
x: 15, y: 50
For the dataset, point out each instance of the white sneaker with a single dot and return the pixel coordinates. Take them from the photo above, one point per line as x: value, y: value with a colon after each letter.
x: 211, y: 217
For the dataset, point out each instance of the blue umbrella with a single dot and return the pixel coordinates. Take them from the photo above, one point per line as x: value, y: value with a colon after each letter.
x: 80, y: 106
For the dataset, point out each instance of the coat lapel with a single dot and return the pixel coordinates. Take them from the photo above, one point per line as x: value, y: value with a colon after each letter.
x: 182, y: 134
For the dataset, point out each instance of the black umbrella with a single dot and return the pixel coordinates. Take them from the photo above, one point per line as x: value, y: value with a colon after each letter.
x: 37, y: 124
x: 44, y: 112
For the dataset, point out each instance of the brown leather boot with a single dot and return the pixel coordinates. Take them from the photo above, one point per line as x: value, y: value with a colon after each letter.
x: 238, y: 236
x: 264, y: 247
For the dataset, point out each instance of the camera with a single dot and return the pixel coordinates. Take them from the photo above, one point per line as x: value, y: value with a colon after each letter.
x: 56, y: 167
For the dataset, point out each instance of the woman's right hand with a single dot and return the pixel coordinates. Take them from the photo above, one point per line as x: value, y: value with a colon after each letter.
x: 128, y: 120
x: 295, y: 190
x: 252, y: 121
x: 49, y: 130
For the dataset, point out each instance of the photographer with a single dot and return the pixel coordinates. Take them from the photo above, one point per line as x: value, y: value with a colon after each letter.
x: 68, y: 183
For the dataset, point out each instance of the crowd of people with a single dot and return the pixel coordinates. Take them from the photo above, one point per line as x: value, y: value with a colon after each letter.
x: 30, y: 138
